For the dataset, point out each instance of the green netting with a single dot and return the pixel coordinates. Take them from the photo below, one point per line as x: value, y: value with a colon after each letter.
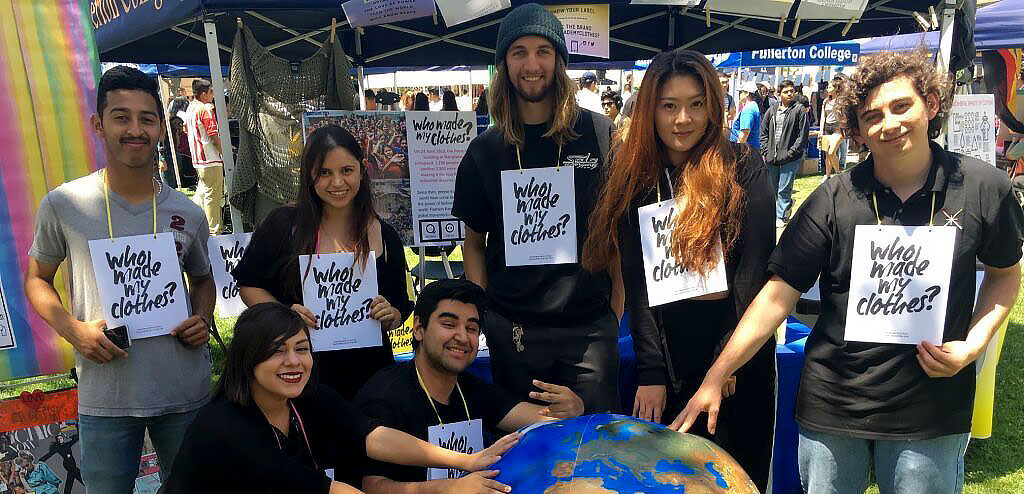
x: 268, y: 97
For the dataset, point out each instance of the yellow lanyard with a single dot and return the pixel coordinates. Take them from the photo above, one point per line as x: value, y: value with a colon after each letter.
x: 931, y: 217
x: 431, y: 400
x: 106, y: 199
x: 657, y: 184
x: 558, y: 159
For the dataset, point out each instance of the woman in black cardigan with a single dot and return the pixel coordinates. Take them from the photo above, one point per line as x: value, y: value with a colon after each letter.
x: 723, y: 200
x: 333, y: 213
x: 270, y: 428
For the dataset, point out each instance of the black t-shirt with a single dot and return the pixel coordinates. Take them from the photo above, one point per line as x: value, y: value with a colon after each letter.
x: 232, y: 448
x: 745, y: 268
x: 268, y: 258
x: 879, y: 391
x: 557, y: 294
x: 395, y: 397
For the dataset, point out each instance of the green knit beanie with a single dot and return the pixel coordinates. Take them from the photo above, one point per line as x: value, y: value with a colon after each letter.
x: 526, y: 20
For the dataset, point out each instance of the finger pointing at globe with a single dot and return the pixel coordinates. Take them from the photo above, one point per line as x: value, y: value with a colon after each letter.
x: 564, y: 403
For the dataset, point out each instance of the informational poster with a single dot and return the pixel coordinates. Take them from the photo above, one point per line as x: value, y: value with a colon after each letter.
x: 830, y: 10
x: 7, y: 340
x: 140, y: 283
x: 382, y: 136
x: 339, y: 292
x: 361, y: 13
x: 899, y: 283
x: 465, y: 437
x: 667, y: 280
x: 458, y: 11
x: 539, y: 214
x: 971, y: 130
x: 225, y: 252
x: 437, y: 143
x: 586, y: 28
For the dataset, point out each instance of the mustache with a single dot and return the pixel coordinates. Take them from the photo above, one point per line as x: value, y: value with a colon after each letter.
x: 127, y: 140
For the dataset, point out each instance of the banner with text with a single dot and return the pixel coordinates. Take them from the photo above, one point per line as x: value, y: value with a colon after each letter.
x: 845, y: 54
x: 972, y: 129
x: 586, y: 28
x: 339, y: 292
x: 899, y: 283
x: 139, y: 281
x: 362, y: 13
x: 458, y: 11
x: 437, y: 143
x: 764, y: 9
x: 225, y: 252
x: 539, y: 215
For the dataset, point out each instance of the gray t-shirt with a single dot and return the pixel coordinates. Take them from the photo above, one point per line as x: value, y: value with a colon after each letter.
x: 159, y: 375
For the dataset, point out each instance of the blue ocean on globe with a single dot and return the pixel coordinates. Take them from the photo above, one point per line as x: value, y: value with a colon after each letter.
x: 606, y: 453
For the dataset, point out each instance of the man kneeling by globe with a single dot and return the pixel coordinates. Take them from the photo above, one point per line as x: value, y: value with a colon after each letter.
x: 433, y: 399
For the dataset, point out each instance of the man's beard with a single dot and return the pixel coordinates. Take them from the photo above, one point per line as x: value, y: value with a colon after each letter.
x: 540, y: 96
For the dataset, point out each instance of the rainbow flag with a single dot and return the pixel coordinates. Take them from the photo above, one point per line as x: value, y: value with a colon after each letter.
x: 48, y: 74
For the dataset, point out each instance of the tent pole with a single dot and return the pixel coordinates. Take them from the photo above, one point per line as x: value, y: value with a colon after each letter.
x: 170, y: 134
x: 945, y: 49
x: 362, y: 87
x: 213, y: 53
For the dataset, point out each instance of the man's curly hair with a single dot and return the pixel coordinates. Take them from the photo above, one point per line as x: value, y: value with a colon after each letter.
x: 878, y: 69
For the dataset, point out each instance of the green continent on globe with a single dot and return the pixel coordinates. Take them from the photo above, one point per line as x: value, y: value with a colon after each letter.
x: 605, y: 453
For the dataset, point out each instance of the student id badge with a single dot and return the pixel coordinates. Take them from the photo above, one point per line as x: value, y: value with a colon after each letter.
x: 539, y: 215
x: 667, y: 280
x: 465, y: 437
x: 899, y: 283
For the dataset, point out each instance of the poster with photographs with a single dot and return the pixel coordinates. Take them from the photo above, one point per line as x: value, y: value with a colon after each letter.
x: 382, y: 135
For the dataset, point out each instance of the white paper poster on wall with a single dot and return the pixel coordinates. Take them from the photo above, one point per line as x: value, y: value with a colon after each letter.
x: 667, y: 281
x: 899, y: 283
x: 539, y: 216
x: 225, y: 252
x: 339, y: 291
x: 437, y: 143
x: 458, y: 11
x: 586, y: 28
x: 971, y: 130
x: 371, y: 12
x: 7, y: 340
x: 830, y: 10
x: 140, y: 283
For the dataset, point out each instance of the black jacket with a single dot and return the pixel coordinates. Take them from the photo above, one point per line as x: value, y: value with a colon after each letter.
x: 794, y: 135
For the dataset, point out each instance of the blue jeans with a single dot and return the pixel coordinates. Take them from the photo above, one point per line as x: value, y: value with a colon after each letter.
x: 831, y: 464
x: 112, y: 447
x: 782, y: 177
x: 844, y: 147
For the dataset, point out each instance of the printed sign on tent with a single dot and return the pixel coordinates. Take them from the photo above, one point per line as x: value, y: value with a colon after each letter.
x: 225, y: 252
x: 683, y: 3
x: 586, y: 28
x: 437, y: 143
x: 667, y: 280
x: 971, y: 130
x: 465, y: 437
x: 339, y: 291
x: 458, y: 11
x: 7, y: 340
x: 140, y: 283
x: 362, y: 13
x: 830, y: 10
x: 539, y: 215
x: 899, y: 283
x: 764, y: 9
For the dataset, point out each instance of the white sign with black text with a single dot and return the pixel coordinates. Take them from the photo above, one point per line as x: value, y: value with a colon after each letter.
x: 667, y: 280
x: 339, y: 291
x: 225, y: 253
x: 539, y: 214
x: 140, y: 283
x: 972, y: 126
x: 465, y: 437
x: 899, y: 283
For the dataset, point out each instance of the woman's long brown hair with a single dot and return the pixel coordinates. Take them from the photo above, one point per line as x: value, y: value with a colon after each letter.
x: 707, y: 179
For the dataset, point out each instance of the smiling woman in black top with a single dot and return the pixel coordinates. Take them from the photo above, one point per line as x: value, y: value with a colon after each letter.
x: 333, y: 213
x: 271, y: 429
x: 723, y: 197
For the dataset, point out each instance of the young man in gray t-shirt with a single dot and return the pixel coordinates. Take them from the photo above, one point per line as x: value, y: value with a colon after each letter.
x: 161, y: 381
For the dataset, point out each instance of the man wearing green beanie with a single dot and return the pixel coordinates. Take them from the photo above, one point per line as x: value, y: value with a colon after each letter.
x: 525, y: 190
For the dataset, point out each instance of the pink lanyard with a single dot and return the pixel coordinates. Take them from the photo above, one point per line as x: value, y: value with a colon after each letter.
x: 302, y: 428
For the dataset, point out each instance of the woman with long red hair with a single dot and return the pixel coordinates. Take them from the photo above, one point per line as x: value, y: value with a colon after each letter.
x: 695, y: 260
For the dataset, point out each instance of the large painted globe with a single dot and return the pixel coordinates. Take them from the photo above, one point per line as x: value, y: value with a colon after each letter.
x: 610, y: 454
